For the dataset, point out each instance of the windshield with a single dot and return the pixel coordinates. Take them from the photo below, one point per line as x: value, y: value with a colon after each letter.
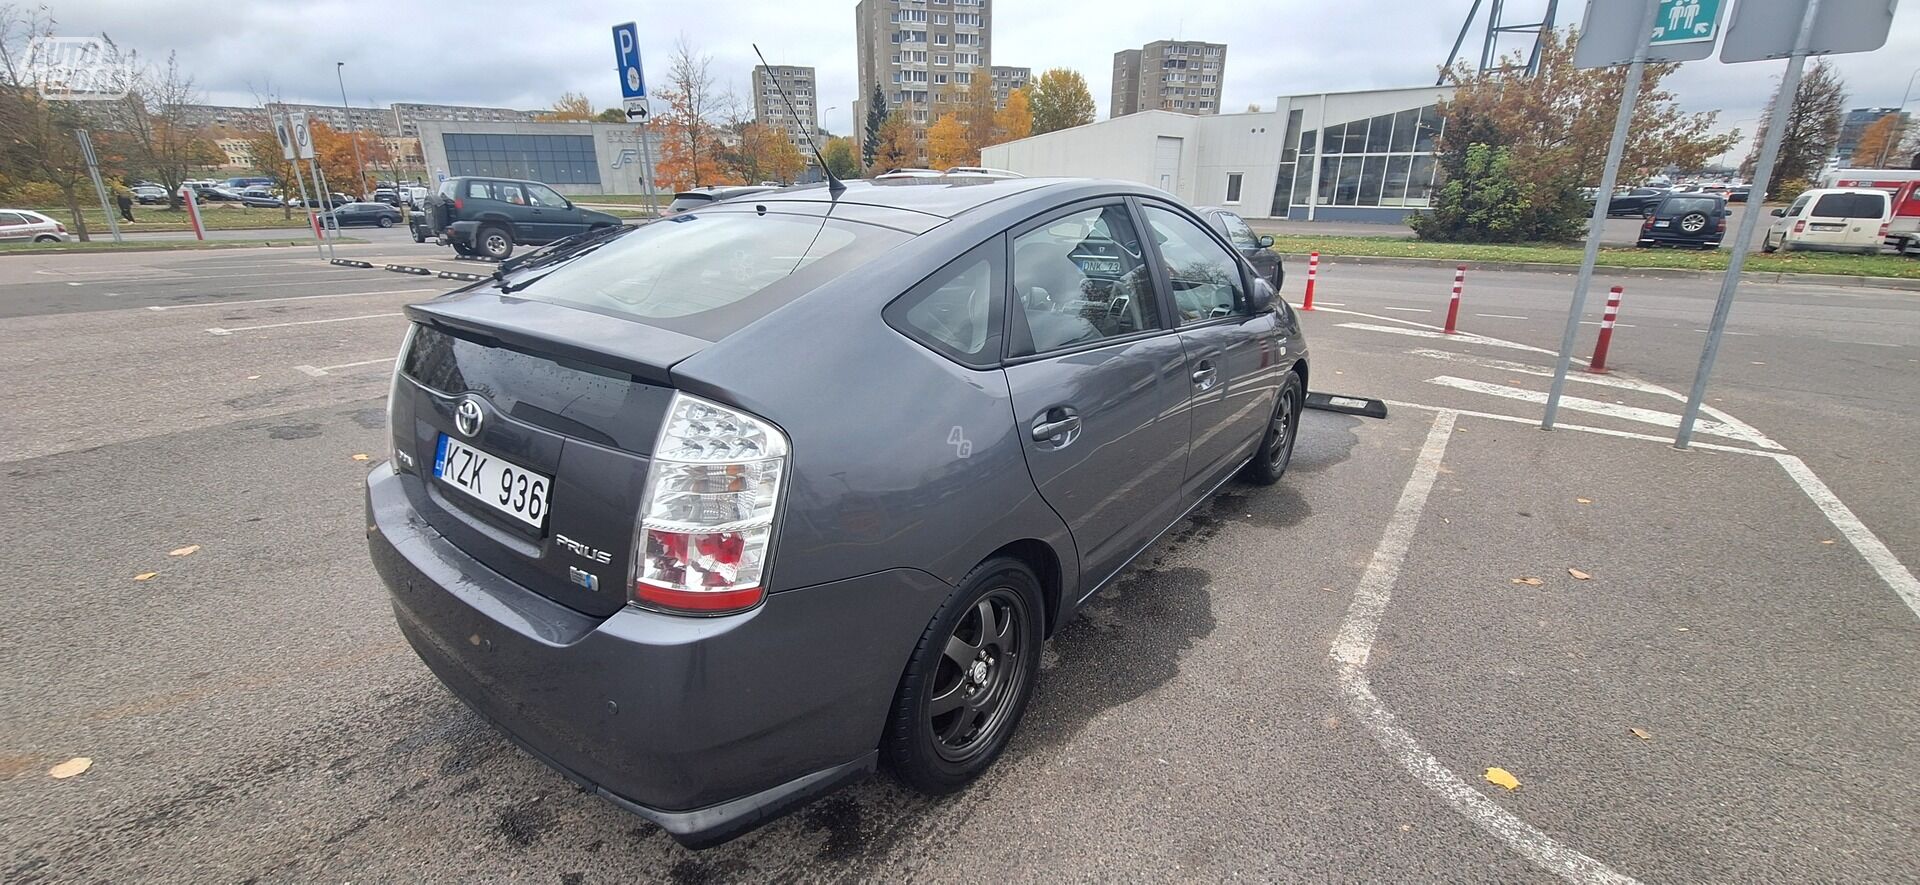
x: 708, y: 273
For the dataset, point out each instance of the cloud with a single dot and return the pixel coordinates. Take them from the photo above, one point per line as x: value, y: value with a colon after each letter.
x: 524, y: 55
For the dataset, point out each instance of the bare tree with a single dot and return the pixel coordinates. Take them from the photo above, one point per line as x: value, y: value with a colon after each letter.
x: 1813, y: 126
x: 161, y: 140
x: 687, y: 149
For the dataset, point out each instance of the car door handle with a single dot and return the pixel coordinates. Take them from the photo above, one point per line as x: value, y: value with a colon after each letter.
x: 1046, y: 430
x: 1204, y: 376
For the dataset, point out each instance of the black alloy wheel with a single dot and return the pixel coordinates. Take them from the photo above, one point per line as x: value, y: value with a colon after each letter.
x: 968, y: 681
x: 1276, y: 449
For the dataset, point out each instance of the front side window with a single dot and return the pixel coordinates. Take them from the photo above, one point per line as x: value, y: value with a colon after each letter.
x: 8, y: 219
x: 1203, y: 277
x: 1238, y: 231
x: 546, y: 197
x: 1082, y: 278
x: 1799, y: 205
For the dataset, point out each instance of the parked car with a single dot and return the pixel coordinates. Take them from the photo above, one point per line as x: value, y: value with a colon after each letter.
x: 148, y: 194
x: 1686, y: 218
x: 1903, y: 229
x: 489, y: 216
x: 907, y: 172
x: 1258, y: 250
x: 364, y: 214
x: 1634, y: 201
x: 1832, y: 220
x: 415, y: 197
x: 385, y: 195
x: 28, y: 226
x: 635, y: 518
x: 223, y: 195
x: 700, y: 198
x: 241, y: 184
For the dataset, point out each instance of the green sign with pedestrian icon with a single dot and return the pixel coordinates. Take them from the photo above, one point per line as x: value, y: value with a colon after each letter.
x: 1686, y: 21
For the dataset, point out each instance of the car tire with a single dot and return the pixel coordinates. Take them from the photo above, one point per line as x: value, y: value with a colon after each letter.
x: 493, y: 241
x: 1767, y: 245
x: 1276, y: 447
x: 385, y: 221
x: 419, y: 237
x: 46, y: 238
x: 987, y: 674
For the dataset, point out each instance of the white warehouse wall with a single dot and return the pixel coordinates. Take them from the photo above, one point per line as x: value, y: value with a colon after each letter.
x: 1120, y: 148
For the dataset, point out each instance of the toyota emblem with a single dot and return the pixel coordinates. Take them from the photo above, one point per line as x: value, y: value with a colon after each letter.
x: 466, y: 417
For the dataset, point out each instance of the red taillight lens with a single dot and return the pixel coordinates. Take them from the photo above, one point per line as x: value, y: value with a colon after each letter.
x: 1799, y: 226
x: 1647, y: 224
x: 60, y: 227
x: 1883, y: 231
x: 706, y: 522
x: 459, y: 204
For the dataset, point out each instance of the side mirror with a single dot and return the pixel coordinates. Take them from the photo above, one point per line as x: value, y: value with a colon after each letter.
x: 1260, y: 300
x: 1779, y: 213
x: 1266, y: 241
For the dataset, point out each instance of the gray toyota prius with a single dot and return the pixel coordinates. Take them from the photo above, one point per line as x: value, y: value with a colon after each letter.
x: 718, y: 513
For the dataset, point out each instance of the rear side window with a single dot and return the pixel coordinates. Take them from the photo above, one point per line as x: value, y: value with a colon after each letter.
x: 480, y: 190
x: 8, y: 219
x: 1850, y: 206
x: 708, y: 274
x: 447, y: 188
x: 957, y: 310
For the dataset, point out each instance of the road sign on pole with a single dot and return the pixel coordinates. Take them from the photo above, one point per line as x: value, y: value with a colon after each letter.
x: 626, y: 49
x: 302, y: 134
x: 93, y: 170
x: 1767, y: 30
x: 284, y: 135
x: 1682, y: 30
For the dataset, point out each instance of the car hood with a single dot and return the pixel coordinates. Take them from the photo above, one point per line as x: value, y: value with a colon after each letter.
x: 592, y: 217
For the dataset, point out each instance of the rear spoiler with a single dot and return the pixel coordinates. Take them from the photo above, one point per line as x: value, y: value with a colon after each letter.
x: 648, y: 353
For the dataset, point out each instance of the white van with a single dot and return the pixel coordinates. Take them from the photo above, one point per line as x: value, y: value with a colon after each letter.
x: 1832, y: 219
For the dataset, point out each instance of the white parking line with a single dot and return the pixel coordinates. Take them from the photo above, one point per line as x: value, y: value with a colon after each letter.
x: 1615, y: 325
x: 1353, y: 645
x: 1726, y: 332
x: 365, y: 316
x: 321, y: 371
x: 287, y: 298
x: 1499, y: 316
x: 1408, y: 309
x: 1466, y: 337
x: 1582, y: 404
x: 1878, y: 557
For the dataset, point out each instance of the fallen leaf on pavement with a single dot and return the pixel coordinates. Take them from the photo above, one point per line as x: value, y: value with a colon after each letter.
x: 1641, y: 733
x: 71, y: 767
x: 253, y: 377
x: 1531, y: 582
x: 1577, y: 574
x: 361, y: 456
x: 1501, y: 777
x: 1584, y: 500
x: 145, y: 576
x: 1827, y: 541
x: 188, y: 550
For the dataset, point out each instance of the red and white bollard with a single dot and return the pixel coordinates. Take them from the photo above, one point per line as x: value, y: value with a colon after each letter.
x: 1453, y: 306
x: 193, y: 213
x: 1599, y: 364
x: 1313, y: 270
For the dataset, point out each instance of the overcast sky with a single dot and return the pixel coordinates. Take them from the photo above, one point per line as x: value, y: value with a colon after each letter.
x: 524, y: 54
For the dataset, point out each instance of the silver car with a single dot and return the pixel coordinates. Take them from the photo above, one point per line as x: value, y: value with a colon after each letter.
x: 28, y: 226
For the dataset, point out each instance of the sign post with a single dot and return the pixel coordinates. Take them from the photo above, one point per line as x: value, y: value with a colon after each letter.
x: 283, y: 133
x: 1650, y: 30
x: 93, y: 169
x: 1790, y: 29
x: 633, y: 92
x: 302, y: 134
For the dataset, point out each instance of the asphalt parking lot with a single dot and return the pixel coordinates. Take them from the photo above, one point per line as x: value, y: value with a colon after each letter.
x: 1303, y: 682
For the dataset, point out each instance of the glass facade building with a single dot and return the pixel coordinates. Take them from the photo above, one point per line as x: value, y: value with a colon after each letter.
x: 554, y: 159
x: 1384, y: 162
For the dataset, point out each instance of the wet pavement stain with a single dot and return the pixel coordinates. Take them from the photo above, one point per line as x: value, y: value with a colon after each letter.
x: 523, y: 825
x: 293, y: 431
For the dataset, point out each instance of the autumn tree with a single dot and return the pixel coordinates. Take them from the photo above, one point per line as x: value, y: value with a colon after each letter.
x: 1813, y: 126
x: 333, y: 149
x: 1879, y: 143
x: 689, y: 153
x: 876, y: 118
x: 896, y: 146
x: 570, y: 107
x: 976, y: 112
x: 611, y: 115
x: 764, y: 153
x: 1552, y: 130
x: 947, y: 143
x: 153, y: 124
x: 1013, y: 121
x: 843, y: 159
x: 1060, y: 100
x: 37, y: 135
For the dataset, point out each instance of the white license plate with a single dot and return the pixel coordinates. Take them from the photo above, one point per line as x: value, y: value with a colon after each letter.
x: 1659, y: 224
x: 512, y: 490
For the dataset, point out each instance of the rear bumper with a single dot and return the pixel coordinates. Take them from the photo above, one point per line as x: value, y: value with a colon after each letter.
x: 706, y: 726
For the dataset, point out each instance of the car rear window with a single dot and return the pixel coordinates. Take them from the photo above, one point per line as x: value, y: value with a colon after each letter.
x: 1850, y: 206
x: 710, y: 273
x: 1684, y: 205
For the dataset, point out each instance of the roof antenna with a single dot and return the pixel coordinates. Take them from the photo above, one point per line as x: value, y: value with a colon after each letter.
x: 834, y: 185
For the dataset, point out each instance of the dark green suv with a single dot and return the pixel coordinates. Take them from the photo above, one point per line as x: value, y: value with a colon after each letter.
x: 487, y: 217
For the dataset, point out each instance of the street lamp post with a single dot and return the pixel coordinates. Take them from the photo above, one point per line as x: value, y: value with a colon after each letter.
x: 1886, y: 145
x: 359, y: 171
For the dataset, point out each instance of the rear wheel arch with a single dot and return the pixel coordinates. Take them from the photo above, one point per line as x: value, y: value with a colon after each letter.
x: 1045, y: 562
x: 1300, y: 368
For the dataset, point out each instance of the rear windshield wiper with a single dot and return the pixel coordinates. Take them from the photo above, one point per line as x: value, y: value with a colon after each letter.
x: 560, y: 250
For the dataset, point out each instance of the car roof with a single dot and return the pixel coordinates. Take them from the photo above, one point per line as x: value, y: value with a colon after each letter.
x: 945, y: 197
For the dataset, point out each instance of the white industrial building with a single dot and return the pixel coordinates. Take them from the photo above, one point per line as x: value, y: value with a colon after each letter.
x: 1370, y: 153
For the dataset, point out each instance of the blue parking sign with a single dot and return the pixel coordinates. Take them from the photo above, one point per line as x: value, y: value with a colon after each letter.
x: 626, y: 49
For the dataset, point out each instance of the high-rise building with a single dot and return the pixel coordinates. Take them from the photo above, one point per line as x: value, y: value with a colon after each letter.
x: 923, y: 55
x: 1183, y: 76
x: 770, y: 110
x: 1007, y: 79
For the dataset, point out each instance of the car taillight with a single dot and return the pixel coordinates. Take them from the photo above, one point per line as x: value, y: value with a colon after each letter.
x: 1800, y: 225
x: 706, y: 521
x: 60, y: 227
x: 459, y: 204
x: 393, y: 394
x: 1883, y: 231
x: 1647, y: 224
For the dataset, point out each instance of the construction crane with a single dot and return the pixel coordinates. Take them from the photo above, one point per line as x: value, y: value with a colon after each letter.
x: 1496, y: 26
